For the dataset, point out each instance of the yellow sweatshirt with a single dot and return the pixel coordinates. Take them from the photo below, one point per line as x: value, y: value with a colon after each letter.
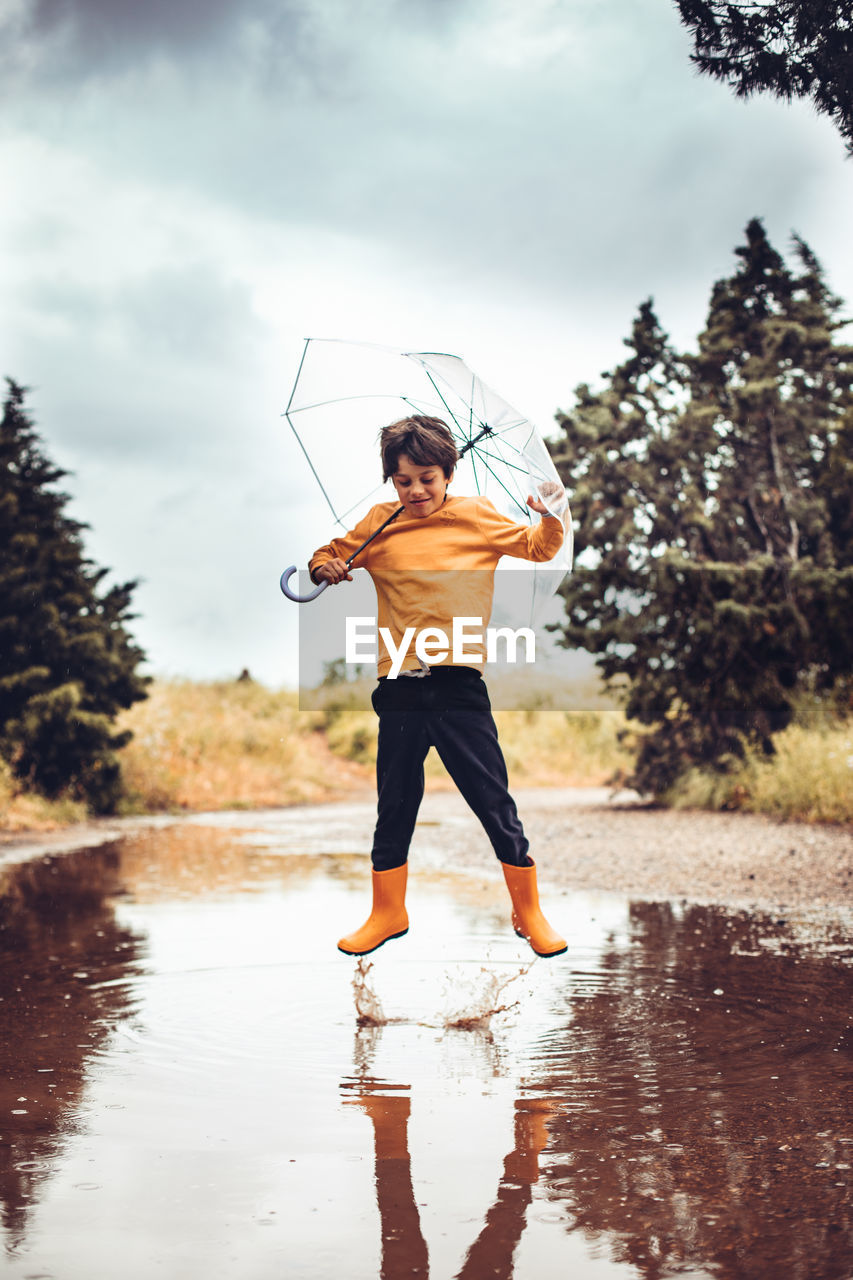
x: 428, y: 570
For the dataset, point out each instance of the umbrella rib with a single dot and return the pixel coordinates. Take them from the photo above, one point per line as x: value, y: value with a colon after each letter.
x: 510, y: 466
x: 447, y: 406
x: 313, y: 468
x: 343, y: 518
x: 470, y: 441
x: 508, y: 492
x: 296, y: 379
x: 421, y: 357
x: 414, y: 405
x: 322, y: 404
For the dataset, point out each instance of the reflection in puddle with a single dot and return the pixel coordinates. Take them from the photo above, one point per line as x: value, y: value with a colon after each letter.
x: 66, y: 972
x: 195, y: 1081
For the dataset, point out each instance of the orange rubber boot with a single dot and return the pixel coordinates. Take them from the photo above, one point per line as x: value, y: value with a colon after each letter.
x: 527, y: 918
x: 388, y: 918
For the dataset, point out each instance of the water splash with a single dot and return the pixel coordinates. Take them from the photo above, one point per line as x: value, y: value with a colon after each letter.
x: 470, y: 1004
x: 484, y: 997
x: 368, y: 1006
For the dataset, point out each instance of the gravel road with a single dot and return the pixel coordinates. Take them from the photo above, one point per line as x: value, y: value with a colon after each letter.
x: 586, y: 840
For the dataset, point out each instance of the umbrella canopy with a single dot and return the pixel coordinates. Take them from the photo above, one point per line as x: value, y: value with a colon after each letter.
x: 345, y: 392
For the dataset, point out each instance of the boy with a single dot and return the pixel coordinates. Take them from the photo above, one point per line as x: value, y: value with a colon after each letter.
x: 443, y: 705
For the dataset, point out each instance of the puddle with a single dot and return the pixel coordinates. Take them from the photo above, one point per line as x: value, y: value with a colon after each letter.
x: 194, y: 1082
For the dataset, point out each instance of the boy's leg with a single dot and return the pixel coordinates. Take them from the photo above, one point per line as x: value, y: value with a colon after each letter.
x: 466, y: 739
x: 399, y: 784
x: 401, y: 751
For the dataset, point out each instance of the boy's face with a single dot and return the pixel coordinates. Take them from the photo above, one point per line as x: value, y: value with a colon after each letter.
x: 420, y: 488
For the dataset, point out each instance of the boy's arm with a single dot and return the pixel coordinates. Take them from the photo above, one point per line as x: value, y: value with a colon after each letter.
x: 335, y: 553
x: 540, y: 541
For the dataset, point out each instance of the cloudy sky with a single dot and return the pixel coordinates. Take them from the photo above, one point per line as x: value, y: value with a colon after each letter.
x: 191, y: 187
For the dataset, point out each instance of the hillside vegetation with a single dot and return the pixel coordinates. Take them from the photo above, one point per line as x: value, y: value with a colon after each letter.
x: 237, y: 744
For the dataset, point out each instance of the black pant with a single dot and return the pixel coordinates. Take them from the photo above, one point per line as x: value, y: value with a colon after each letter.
x: 449, y: 710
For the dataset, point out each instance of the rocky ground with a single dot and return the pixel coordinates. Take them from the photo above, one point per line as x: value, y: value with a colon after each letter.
x: 586, y: 840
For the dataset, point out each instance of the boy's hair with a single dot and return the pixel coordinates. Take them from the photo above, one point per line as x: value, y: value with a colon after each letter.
x: 427, y: 441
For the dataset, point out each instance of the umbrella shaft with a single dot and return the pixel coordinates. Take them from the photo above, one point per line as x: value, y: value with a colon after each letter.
x: 367, y: 541
x: 485, y: 430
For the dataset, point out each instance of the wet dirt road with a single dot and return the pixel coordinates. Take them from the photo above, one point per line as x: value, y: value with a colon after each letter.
x: 195, y: 1083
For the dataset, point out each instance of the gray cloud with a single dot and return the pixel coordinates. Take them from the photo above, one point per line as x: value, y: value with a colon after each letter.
x: 107, y: 24
x: 395, y: 121
x: 149, y: 366
x: 69, y: 40
x: 59, y: 45
x: 189, y: 313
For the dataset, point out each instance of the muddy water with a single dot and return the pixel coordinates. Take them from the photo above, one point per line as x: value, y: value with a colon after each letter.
x: 195, y: 1083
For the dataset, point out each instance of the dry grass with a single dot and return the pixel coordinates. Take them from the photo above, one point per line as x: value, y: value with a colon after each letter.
x: 227, y: 745
x: 563, y: 748
x: 542, y: 748
x: 810, y: 778
x: 238, y: 745
x: 23, y: 811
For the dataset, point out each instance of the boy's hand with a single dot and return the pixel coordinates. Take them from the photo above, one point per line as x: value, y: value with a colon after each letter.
x: 333, y: 571
x: 555, y: 492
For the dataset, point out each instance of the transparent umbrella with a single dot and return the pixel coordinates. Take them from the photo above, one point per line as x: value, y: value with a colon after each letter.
x: 345, y: 392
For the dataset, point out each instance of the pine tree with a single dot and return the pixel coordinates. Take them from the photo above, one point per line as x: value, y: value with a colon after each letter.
x: 67, y: 662
x: 713, y: 495
x: 794, y: 48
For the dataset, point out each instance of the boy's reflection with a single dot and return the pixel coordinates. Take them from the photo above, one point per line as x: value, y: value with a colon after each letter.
x: 492, y: 1252
x: 404, y: 1250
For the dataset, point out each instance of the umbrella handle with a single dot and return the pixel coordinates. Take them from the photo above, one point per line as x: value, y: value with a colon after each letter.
x: 285, y: 577
x: 291, y: 595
